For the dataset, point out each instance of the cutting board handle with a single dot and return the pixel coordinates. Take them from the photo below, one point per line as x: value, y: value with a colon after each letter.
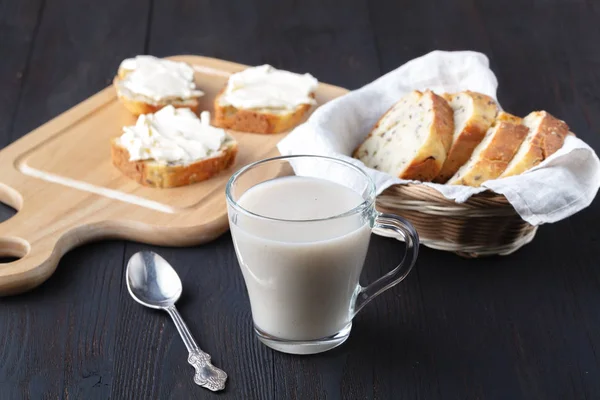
x: 10, y: 197
x: 35, y: 261
x: 30, y: 270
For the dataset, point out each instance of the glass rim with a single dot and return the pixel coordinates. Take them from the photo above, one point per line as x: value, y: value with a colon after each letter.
x: 365, y: 204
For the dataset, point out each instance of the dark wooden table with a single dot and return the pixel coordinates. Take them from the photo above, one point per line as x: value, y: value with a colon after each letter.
x: 522, y: 326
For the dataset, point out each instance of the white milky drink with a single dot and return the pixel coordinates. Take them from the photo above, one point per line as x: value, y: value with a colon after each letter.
x: 301, y: 242
x: 301, y: 277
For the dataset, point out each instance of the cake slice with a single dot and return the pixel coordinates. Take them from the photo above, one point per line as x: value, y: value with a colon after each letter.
x: 172, y: 148
x: 264, y: 100
x: 546, y: 135
x: 411, y: 139
x: 491, y: 157
x: 474, y: 113
x: 145, y: 84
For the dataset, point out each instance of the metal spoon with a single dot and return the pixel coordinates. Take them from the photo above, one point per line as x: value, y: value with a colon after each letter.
x: 152, y: 282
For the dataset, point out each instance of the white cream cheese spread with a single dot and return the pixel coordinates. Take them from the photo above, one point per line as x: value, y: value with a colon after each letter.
x: 172, y: 135
x: 159, y: 79
x: 267, y: 87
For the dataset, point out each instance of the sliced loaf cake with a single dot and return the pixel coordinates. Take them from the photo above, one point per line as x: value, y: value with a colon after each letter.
x: 411, y: 139
x: 474, y: 113
x: 546, y: 135
x: 491, y: 157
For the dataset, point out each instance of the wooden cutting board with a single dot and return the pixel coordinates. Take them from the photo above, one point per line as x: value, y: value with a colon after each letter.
x: 60, y: 179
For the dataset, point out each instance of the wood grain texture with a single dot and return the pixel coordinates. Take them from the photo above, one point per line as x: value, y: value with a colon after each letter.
x: 524, y: 326
x: 20, y: 22
x: 521, y: 326
x: 286, y: 34
x: 227, y: 31
x: 86, y: 198
x: 58, y: 340
x: 20, y: 25
x: 154, y: 364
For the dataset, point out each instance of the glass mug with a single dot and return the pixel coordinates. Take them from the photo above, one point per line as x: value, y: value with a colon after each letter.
x: 302, y: 272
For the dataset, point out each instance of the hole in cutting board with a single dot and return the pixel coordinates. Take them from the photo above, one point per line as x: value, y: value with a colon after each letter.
x: 10, y: 202
x: 13, y: 249
x: 6, y: 212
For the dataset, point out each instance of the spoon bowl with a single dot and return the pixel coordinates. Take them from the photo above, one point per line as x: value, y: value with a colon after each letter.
x: 152, y: 281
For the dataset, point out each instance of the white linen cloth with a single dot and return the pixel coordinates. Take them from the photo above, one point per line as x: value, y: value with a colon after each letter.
x: 560, y: 186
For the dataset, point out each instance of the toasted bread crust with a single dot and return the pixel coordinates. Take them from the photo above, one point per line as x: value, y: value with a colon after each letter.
x: 427, y: 163
x: 493, y: 160
x: 547, y: 139
x: 152, y: 174
x: 256, y: 121
x: 484, y: 112
x: 507, y: 117
x: 422, y: 169
x: 138, y: 107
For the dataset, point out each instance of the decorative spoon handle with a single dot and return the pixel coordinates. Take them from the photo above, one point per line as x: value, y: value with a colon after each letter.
x: 207, y: 375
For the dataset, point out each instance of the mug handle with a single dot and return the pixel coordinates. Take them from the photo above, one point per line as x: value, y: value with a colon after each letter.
x: 395, y: 225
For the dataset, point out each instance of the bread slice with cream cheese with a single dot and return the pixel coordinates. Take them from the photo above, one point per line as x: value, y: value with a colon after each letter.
x: 160, y: 175
x: 145, y: 84
x: 262, y: 120
x: 474, y: 113
x: 161, y: 153
x: 264, y: 100
x: 546, y: 135
x: 411, y: 139
x: 491, y: 157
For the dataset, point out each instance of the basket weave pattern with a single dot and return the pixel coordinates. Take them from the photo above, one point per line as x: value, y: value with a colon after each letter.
x: 486, y: 224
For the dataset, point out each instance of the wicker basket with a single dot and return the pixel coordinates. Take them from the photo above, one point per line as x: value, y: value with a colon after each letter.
x: 486, y: 224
